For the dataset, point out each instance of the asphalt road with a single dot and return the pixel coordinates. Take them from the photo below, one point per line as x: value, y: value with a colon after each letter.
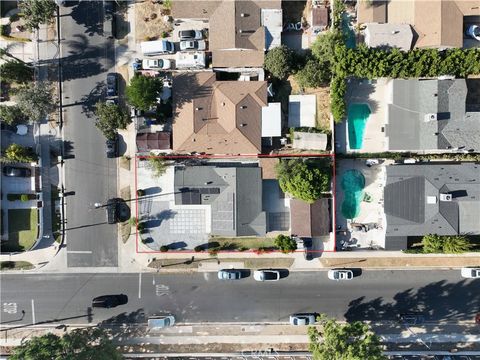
x: 87, y: 56
x: 201, y: 297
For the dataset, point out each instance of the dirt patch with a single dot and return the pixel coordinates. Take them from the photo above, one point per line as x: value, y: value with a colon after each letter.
x: 404, y: 261
x: 190, y: 263
x: 150, y: 21
x: 125, y: 163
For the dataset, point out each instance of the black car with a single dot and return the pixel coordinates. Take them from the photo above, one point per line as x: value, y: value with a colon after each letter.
x: 308, y: 246
x: 109, y: 301
x: 111, y: 84
x: 111, y: 147
x: 12, y: 171
x: 112, y: 214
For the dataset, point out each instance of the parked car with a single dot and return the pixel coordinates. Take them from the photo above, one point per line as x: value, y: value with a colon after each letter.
x: 192, y: 45
x: 471, y: 272
x: 163, y: 64
x: 14, y: 171
x: 111, y: 84
x: 302, y: 319
x: 111, y: 147
x: 474, y: 32
x: 157, y: 47
x: 340, y: 274
x: 109, y: 301
x: 266, y: 275
x: 112, y: 216
x: 160, y: 322
x: 190, y: 35
x: 411, y: 318
x: 229, y: 274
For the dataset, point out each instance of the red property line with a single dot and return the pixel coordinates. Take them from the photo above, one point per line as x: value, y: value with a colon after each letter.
x: 259, y: 156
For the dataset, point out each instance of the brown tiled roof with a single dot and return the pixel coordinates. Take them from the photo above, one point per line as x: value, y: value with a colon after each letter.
x: 268, y: 168
x: 237, y: 58
x: 159, y: 140
x: 217, y: 117
x: 368, y: 12
x: 309, y: 220
x: 194, y: 9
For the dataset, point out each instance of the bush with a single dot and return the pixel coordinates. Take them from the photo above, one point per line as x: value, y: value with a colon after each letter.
x: 198, y: 248
x: 24, y: 197
x: 455, y: 244
x: 314, y: 74
x: 285, y: 243
x: 140, y: 192
x: 164, y: 248
x: 141, y: 227
x: 279, y: 62
x: 21, y: 154
x: 143, y: 91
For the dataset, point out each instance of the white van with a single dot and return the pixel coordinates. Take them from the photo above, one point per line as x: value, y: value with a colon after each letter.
x: 190, y: 60
x: 157, y: 47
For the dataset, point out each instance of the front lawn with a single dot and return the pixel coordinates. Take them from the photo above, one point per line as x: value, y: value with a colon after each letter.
x: 22, y: 230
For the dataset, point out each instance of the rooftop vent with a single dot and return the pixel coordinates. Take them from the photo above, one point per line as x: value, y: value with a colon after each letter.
x: 445, y: 197
x: 431, y: 199
x: 430, y: 117
x: 242, y: 125
x: 243, y: 107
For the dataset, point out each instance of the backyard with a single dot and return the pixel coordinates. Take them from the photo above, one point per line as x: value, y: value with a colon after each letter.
x: 22, y: 230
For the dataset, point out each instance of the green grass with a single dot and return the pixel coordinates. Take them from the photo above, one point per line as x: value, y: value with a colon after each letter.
x: 243, y: 243
x: 15, y: 265
x: 22, y: 230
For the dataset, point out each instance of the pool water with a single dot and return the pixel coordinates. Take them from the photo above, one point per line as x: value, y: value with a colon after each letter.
x: 358, y: 115
x: 352, y: 183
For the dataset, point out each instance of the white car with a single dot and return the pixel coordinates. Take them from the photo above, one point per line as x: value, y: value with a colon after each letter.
x: 302, y: 319
x: 160, y: 322
x: 266, y: 275
x: 474, y: 32
x: 471, y: 272
x: 340, y: 274
x: 192, y: 45
x: 163, y: 64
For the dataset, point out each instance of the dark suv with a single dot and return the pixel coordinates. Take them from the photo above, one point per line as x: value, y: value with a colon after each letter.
x: 111, y: 147
x: 109, y: 301
x: 111, y: 84
x: 112, y: 216
x: 13, y: 171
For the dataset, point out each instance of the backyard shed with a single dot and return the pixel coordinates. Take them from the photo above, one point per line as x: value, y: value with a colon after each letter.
x: 302, y: 111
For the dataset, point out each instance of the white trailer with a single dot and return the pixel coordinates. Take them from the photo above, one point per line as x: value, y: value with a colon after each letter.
x: 190, y: 60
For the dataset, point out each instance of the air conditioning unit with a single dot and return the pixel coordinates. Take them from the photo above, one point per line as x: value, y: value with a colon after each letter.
x: 430, y: 117
x: 445, y: 197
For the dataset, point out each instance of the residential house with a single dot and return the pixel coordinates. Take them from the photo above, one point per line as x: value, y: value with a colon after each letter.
x: 424, y: 199
x: 431, y: 115
x: 386, y: 36
x: 310, y: 220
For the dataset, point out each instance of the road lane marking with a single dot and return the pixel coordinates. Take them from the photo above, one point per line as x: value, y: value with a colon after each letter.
x: 161, y: 290
x: 78, y: 252
x: 33, y: 312
x: 139, y: 285
x: 10, y: 308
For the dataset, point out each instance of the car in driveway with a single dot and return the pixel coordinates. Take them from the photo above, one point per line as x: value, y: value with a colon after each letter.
x: 111, y: 147
x: 111, y: 84
x: 340, y: 274
x: 266, y: 275
x: 163, y: 64
x: 190, y: 35
x: 192, y: 45
x: 302, y: 319
x: 471, y: 272
x: 112, y: 213
x: 229, y: 274
x: 160, y: 322
x: 15, y: 171
x: 109, y: 301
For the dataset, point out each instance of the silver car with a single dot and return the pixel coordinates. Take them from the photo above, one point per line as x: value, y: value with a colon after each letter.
x: 229, y: 274
x: 192, y: 45
x: 266, y: 275
x: 302, y: 319
x: 340, y: 274
x: 160, y: 322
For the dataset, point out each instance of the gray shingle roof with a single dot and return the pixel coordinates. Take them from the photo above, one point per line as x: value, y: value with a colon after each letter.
x: 412, y: 199
x: 414, y: 99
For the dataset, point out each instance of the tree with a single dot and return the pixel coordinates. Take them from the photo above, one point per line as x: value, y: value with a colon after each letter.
x: 432, y: 244
x: 16, y: 71
x: 350, y: 341
x: 303, y: 179
x: 18, y: 153
x: 324, y: 46
x: 90, y: 343
x: 110, y: 118
x: 36, y: 12
x: 280, y: 62
x: 36, y: 101
x: 456, y: 244
x: 315, y: 73
x: 285, y: 243
x: 157, y: 165
x: 143, y: 91
x: 11, y: 115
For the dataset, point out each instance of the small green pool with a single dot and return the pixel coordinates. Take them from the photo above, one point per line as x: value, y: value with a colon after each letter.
x: 352, y: 183
x: 358, y: 115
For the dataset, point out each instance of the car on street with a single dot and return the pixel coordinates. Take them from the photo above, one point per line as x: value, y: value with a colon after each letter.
x: 192, y: 45
x: 111, y: 84
x: 190, y: 35
x: 160, y: 322
x: 109, y: 301
x: 266, y: 275
x: 340, y: 274
x: 14, y: 171
x: 111, y: 147
x: 229, y: 274
x: 412, y: 318
x: 471, y: 272
x: 302, y: 319
x: 163, y: 64
x: 112, y: 213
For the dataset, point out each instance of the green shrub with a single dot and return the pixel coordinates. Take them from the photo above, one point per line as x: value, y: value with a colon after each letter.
x: 164, y: 248
x: 140, y: 227
x: 280, y: 62
x: 24, y: 197
x: 285, y: 243
x: 198, y: 248
x: 140, y: 192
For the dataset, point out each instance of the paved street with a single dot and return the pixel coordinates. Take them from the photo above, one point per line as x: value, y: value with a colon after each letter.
x: 89, y: 176
x: 374, y: 295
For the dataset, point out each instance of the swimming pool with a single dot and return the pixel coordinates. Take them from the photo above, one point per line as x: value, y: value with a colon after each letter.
x: 358, y: 115
x: 352, y: 183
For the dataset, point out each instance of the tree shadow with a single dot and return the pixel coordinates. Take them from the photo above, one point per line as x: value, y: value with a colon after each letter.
x: 125, y: 325
x: 156, y: 220
x: 90, y: 15
x: 88, y: 101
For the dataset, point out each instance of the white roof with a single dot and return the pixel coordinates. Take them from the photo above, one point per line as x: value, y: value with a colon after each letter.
x: 389, y: 35
x: 309, y: 141
x: 272, y: 120
x: 302, y: 110
x: 272, y: 21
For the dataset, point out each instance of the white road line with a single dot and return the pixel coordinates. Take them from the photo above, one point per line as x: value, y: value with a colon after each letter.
x: 78, y: 252
x: 139, y: 285
x: 33, y: 312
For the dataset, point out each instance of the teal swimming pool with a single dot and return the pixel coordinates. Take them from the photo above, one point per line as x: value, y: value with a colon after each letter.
x: 352, y: 183
x: 358, y: 115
